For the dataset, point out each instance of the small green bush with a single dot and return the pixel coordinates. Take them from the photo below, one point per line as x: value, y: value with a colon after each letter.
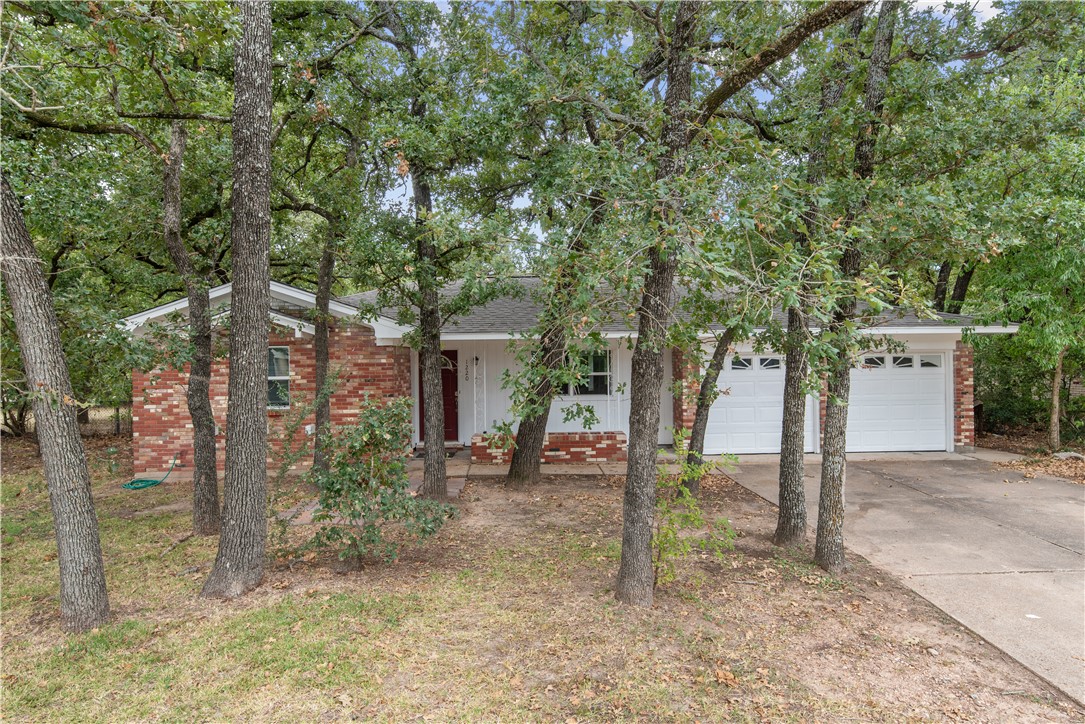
x: 679, y: 515
x: 365, y: 492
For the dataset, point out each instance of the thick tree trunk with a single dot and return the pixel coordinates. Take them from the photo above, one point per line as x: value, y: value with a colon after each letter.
x: 941, y: 286
x: 829, y: 546
x: 239, y: 566
x: 791, y: 521
x: 205, y: 491
x: 524, y: 470
x: 1054, y: 434
x: 636, y: 575
x: 706, y: 395
x: 325, y: 277
x: 960, y: 289
x: 83, y: 600
x: 434, y: 480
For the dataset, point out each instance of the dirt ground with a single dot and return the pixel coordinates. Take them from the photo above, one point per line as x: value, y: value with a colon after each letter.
x: 508, y: 614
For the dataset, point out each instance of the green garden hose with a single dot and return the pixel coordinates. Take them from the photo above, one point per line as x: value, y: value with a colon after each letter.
x: 142, y: 483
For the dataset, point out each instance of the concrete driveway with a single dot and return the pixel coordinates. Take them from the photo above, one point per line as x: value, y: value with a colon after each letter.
x: 1003, y: 558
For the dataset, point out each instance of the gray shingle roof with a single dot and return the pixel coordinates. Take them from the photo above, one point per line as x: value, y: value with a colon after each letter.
x: 517, y: 313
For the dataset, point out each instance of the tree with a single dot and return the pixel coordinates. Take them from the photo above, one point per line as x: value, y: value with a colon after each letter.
x: 239, y: 565
x: 84, y: 603
x: 206, y: 519
x: 635, y: 584
x: 138, y: 78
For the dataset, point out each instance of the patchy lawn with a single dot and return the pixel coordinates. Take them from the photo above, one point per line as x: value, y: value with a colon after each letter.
x: 507, y: 615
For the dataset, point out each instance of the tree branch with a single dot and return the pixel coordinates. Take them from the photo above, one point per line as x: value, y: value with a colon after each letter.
x: 752, y: 67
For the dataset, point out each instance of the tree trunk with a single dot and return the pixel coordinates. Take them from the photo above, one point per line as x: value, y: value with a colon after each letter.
x: 325, y: 277
x: 791, y: 515
x: 1054, y: 435
x: 434, y: 480
x: 205, y: 491
x: 636, y: 575
x: 84, y: 603
x: 829, y: 546
x: 960, y: 289
x: 791, y: 520
x: 941, y: 286
x: 706, y: 395
x: 524, y: 470
x: 239, y: 566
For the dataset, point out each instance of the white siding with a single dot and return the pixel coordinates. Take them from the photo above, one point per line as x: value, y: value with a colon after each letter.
x: 484, y: 402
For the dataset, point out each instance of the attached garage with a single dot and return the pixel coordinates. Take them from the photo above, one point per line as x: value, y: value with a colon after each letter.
x: 749, y: 417
x: 898, y: 402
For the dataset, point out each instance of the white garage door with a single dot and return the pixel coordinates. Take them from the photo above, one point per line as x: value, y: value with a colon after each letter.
x: 748, y: 419
x: 898, y: 402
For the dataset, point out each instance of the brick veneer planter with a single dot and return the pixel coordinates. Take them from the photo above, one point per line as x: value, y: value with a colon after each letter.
x: 558, y: 447
x: 162, y: 428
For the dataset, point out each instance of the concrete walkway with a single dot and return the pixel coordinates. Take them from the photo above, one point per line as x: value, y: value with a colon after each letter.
x: 1001, y: 553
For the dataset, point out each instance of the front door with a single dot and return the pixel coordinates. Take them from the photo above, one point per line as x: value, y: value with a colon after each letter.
x: 449, y: 397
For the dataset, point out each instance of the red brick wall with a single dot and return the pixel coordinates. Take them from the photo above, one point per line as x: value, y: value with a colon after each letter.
x: 685, y: 375
x: 162, y: 428
x: 964, y: 422
x: 560, y: 447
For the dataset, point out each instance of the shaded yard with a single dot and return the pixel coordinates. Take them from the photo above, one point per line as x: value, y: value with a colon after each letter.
x: 507, y: 614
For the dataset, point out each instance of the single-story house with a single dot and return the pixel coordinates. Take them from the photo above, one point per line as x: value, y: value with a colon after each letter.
x: 919, y: 399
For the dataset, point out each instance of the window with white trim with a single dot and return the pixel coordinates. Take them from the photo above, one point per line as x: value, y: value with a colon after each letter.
x: 930, y: 360
x: 738, y: 363
x: 597, y: 379
x: 902, y: 361
x: 278, y: 377
x: 771, y: 363
x: 875, y: 362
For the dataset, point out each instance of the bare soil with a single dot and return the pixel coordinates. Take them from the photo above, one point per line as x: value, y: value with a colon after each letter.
x: 507, y: 614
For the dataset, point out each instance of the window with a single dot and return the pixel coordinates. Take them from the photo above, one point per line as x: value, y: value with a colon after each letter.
x: 737, y: 363
x: 875, y: 363
x: 597, y: 379
x: 930, y: 360
x: 902, y: 362
x: 771, y: 363
x: 278, y: 377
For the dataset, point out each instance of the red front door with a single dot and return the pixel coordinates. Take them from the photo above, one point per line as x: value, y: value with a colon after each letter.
x: 449, y: 397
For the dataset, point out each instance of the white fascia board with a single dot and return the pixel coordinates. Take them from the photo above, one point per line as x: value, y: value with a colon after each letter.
x: 489, y: 336
x: 946, y: 330
x: 138, y: 320
x: 302, y: 298
x: 298, y: 325
x: 382, y: 326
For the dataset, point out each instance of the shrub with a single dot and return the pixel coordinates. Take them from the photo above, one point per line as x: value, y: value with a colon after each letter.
x: 679, y: 515
x: 365, y: 492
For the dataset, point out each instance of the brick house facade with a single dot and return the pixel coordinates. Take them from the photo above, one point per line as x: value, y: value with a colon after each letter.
x: 370, y: 358
x: 162, y: 427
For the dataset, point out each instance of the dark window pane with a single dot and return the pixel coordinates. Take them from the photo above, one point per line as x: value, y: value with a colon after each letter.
x: 600, y: 362
x: 278, y: 393
x: 770, y: 363
x: 594, y: 385
x: 740, y: 364
x: 902, y: 361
